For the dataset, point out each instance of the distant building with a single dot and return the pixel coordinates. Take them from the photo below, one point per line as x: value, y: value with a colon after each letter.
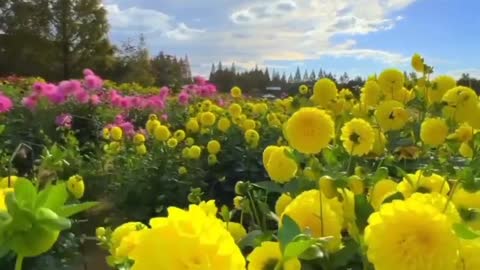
x: 273, y: 89
x: 273, y: 92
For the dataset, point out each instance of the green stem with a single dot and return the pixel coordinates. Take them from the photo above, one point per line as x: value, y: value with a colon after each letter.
x: 450, y: 196
x: 254, y: 209
x: 19, y: 262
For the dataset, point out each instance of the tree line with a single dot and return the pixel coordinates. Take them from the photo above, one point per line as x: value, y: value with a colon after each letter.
x: 57, y: 39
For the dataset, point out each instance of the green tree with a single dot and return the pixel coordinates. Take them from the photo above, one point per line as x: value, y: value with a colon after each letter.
x: 25, y: 38
x: 54, y: 38
x: 81, y: 36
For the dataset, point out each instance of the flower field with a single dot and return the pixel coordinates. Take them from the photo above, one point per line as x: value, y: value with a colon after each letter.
x: 387, y: 177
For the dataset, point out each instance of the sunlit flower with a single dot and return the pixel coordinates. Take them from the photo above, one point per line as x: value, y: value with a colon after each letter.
x: 357, y: 137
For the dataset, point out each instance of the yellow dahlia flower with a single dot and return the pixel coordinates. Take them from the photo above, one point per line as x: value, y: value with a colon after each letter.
x: 192, y: 125
x: 460, y: 101
x: 391, y: 81
x: 120, y: 243
x: 305, y: 210
x: 116, y: 133
x: 469, y: 259
x: 186, y: 240
x: 303, y: 89
x: 282, y: 202
x: 236, y: 92
x: 441, y: 85
x: 76, y: 186
x: 357, y: 137
x: 213, y: 147
x: 417, y: 63
x: 391, y: 115
x: 141, y: 149
x: 419, y: 182
x: 380, y: 191
x: 280, y: 167
x: 465, y: 200
x: 433, y: 131
x: 139, y: 138
x: 223, y: 124
x: 411, y: 235
x: 269, y: 256
x: 309, y: 130
x: 324, y: 92
x: 207, y: 119
x: 371, y: 94
x: 464, y: 133
x: 194, y: 152
x: 162, y: 133
x: 235, y: 109
x: 172, y: 142
x: 179, y: 135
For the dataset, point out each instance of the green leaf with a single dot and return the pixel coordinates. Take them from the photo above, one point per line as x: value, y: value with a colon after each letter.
x: 22, y: 219
x: 329, y: 157
x: 363, y: 210
x: 380, y: 174
x: 296, y: 248
x: 72, y: 209
x: 341, y: 258
x: 53, y: 197
x: 312, y: 253
x: 5, y: 219
x: 25, y: 193
x: 269, y: 186
x: 250, y: 240
x: 395, y: 196
x: 225, y: 213
x: 464, y: 232
x: 287, y: 232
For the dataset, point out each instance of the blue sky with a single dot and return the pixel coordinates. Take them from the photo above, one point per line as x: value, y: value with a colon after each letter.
x: 360, y: 37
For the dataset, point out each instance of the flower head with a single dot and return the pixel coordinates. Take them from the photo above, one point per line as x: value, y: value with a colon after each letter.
x: 189, y: 240
x: 421, y: 182
x: 391, y: 115
x: 236, y: 92
x: 76, y: 186
x: 325, y: 221
x: 213, y: 147
x: 309, y: 130
x: 324, y: 92
x: 358, y: 137
x: 433, y: 131
x: 6, y: 103
x: 391, y: 81
x: 417, y: 63
x: 268, y: 256
x: 279, y: 166
x: 410, y: 235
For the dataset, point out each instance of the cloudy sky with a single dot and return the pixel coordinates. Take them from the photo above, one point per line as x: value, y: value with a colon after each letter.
x: 357, y: 36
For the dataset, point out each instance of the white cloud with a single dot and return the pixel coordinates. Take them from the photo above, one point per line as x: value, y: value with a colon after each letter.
x: 134, y: 19
x: 473, y: 72
x: 183, y: 32
x: 148, y: 21
x: 250, y: 32
x: 378, y: 55
x: 263, y: 12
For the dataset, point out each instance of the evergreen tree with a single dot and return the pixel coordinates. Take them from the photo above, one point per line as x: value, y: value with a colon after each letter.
x: 290, y: 78
x: 298, y: 76
x: 312, y: 76
x: 305, y: 76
